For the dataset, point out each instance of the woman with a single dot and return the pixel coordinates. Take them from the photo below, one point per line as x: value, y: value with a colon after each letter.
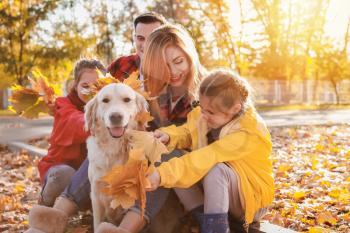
x: 172, y: 71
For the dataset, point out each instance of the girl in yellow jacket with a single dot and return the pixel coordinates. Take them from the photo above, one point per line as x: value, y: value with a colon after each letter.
x: 230, y: 157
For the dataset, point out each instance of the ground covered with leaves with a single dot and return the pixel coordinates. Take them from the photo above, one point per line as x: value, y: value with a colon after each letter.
x: 311, y: 168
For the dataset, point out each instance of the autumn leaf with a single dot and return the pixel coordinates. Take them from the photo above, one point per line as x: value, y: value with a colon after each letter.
x: 101, y: 82
x: 133, y: 81
x: 136, y: 84
x: 41, y: 84
x: 22, y: 98
x: 318, y: 230
x: 153, y: 148
x: 29, y: 102
x: 19, y: 188
x: 143, y: 118
x: 326, y: 217
x: 127, y: 183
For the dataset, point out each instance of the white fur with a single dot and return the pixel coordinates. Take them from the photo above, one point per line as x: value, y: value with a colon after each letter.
x: 104, y: 151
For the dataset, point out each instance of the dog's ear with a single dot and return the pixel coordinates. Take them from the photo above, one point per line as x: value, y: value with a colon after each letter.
x: 90, y: 114
x: 141, y: 103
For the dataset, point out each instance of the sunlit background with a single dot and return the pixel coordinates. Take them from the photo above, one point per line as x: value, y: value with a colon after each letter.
x: 291, y: 51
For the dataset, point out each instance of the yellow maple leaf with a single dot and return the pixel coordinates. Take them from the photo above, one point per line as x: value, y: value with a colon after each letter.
x: 284, y: 167
x: 19, y: 188
x: 314, y: 162
x: 22, y: 98
x: 127, y: 183
x: 101, y: 82
x: 334, y: 193
x: 334, y: 150
x: 317, y: 230
x: 133, y: 81
x: 326, y: 217
x: 299, y: 195
x: 143, y: 117
x: 319, y: 147
x: 152, y: 147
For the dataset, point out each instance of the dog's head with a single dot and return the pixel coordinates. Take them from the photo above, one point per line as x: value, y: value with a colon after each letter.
x: 114, y: 107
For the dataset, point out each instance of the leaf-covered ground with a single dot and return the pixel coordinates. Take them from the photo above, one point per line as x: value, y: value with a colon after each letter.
x: 311, y: 167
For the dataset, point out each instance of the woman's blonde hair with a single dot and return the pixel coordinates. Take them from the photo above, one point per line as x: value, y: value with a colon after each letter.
x: 154, y: 66
x: 229, y: 87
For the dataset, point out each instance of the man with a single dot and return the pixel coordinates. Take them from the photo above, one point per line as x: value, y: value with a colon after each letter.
x: 76, y: 196
x: 144, y: 24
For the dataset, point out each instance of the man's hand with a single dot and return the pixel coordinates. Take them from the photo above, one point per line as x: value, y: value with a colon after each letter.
x: 163, y: 137
x: 154, y: 180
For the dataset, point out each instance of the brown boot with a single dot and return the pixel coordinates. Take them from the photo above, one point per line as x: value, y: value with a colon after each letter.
x: 67, y: 206
x: 51, y: 220
x: 106, y: 227
x: 46, y: 219
x: 33, y: 230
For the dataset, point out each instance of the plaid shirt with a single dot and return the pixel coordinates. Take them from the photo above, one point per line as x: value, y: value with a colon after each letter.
x: 177, y: 115
x: 122, y: 67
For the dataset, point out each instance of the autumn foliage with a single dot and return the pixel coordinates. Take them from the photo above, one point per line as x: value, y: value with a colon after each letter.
x: 127, y: 183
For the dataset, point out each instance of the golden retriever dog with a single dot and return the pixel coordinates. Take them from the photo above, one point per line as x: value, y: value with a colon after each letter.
x: 107, y: 116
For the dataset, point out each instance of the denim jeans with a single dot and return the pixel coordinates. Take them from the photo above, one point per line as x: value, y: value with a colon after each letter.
x: 156, y: 199
x: 78, y: 190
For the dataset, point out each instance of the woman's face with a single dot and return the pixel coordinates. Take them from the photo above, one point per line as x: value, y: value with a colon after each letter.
x: 87, y: 77
x: 178, y: 64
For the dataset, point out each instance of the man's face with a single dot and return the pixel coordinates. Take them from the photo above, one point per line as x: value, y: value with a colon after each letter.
x: 142, y: 31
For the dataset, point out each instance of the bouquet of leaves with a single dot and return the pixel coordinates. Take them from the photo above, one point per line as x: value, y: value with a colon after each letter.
x: 104, y: 80
x: 127, y: 183
x: 29, y: 102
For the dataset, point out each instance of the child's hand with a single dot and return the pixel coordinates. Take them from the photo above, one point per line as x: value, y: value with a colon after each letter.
x: 163, y: 137
x: 154, y: 180
x: 51, y: 107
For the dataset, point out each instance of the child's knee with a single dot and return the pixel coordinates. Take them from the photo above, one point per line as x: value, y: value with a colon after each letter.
x: 60, y: 175
x: 57, y: 179
x: 218, y: 174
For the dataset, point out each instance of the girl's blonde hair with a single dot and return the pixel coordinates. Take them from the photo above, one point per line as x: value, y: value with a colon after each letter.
x: 229, y: 87
x: 154, y: 66
x: 85, y: 64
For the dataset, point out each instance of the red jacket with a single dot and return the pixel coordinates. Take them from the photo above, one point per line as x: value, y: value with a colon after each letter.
x: 67, y: 141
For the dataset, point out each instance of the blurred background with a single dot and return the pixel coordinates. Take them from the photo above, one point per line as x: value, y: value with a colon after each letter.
x: 293, y: 52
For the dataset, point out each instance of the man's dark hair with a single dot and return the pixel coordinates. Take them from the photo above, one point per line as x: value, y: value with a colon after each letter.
x: 149, y: 17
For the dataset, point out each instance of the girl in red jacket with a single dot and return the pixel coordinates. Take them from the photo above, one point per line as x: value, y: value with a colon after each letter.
x: 67, y: 148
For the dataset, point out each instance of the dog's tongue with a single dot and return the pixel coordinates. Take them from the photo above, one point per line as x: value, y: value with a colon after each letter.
x: 117, y: 131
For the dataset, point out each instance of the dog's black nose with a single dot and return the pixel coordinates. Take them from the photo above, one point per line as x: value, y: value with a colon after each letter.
x: 116, y: 118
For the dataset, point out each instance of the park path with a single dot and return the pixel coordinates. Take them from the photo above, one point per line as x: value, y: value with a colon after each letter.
x: 19, y: 129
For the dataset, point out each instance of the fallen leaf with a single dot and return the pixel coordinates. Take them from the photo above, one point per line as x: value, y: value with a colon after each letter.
x: 326, y: 217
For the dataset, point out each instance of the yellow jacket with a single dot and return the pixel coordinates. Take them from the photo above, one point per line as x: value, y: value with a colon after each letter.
x: 244, y: 144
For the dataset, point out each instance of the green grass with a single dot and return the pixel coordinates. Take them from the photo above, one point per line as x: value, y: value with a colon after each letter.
x: 303, y: 107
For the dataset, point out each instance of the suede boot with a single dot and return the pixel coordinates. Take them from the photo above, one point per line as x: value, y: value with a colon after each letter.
x: 106, y: 227
x: 197, y: 213
x: 214, y: 223
x: 51, y: 220
x: 46, y: 219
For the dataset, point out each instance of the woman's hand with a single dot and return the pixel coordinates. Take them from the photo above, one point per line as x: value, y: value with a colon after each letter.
x: 163, y: 137
x: 154, y: 180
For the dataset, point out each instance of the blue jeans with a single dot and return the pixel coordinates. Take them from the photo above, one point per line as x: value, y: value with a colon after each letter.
x: 79, y: 190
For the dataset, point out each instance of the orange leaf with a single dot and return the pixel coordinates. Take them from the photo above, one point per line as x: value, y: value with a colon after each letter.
x: 326, y: 217
x: 143, y: 117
